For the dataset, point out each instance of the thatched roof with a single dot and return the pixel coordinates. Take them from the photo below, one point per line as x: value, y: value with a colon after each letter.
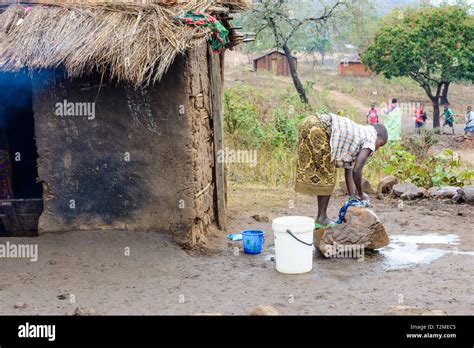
x: 130, y: 41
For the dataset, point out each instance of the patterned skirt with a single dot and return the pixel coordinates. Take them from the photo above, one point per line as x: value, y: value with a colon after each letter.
x: 316, y: 173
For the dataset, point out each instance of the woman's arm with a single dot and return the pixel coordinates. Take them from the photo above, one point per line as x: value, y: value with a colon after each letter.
x: 357, y: 172
x: 351, y: 188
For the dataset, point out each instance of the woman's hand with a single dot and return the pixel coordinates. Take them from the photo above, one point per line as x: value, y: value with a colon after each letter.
x: 353, y: 198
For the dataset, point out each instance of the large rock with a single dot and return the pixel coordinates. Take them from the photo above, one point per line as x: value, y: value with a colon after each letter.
x: 362, y: 230
x: 408, y: 191
x: 444, y: 192
x: 265, y: 310
x: 386, y: 184
x: 465, y: 195
x: 366, y: 187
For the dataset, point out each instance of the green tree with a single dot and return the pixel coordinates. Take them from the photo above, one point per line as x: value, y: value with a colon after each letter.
x: 432, y: 45
x: 319, y: 45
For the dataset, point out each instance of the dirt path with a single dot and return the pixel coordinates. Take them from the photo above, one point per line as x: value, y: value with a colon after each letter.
x: 344, y: 99
x: 159, y: 278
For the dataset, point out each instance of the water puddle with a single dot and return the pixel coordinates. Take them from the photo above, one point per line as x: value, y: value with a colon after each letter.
x: 407, y: 251
x: 404, y: 251
x: 426, y: 239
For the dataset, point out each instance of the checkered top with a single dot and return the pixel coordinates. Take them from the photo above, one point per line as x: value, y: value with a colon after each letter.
x: 348, y: 139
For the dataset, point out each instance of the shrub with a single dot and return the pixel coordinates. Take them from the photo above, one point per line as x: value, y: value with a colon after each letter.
x: 241, y: 121
x: 421, y: 143
x: 443, y: 169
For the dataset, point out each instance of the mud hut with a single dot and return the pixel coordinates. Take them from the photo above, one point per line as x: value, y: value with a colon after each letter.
x: 274, y: 61
x: 353, y: 66
x: 112, y: 113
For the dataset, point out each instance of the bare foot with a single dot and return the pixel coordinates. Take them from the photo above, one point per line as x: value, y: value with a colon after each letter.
x: 324, y: 222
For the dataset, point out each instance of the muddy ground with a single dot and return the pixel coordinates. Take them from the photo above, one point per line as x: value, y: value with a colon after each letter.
x: 90, y: 269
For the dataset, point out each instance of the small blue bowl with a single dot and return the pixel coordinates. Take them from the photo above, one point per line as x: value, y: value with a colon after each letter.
x: 253, y: 240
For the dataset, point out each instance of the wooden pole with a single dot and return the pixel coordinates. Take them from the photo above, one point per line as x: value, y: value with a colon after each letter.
x: 217, y: 109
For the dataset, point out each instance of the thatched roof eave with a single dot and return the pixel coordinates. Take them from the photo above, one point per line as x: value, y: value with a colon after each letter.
x: 130, y: 41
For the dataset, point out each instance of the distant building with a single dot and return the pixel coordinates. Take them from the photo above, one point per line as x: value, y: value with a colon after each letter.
x: 274, y: 61
x: 353, y: 66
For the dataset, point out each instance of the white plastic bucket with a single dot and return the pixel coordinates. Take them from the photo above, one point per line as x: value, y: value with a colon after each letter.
x: 293, y: 244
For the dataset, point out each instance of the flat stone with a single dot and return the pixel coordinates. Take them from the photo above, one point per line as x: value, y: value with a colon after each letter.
x: 362, y: 230
x: 444, y: 192
x: 408, y: 191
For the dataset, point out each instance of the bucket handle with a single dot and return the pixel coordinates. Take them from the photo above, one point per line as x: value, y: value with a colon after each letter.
x: 299, y: 240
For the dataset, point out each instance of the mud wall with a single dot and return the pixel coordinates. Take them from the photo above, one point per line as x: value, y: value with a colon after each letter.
x: 144, y: 161
x: 354, y: 69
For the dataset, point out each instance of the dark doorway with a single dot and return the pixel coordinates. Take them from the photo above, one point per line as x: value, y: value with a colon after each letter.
x: 17, y: 126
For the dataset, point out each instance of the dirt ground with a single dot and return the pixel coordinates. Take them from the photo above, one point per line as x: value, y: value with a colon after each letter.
x: 91, y: 270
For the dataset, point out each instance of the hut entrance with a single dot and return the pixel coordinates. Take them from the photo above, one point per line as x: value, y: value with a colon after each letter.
x: 275, y: 65
x: 20, y: 195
